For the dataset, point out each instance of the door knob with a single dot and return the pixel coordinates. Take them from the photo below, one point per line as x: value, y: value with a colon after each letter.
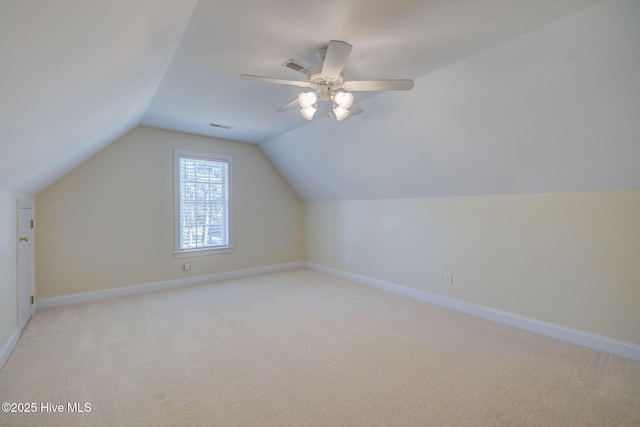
x: 24, y: 239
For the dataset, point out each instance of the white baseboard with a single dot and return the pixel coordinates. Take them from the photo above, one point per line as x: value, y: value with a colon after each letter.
x: 9, y: 346
x: 585, y: 339
x: 158, y: 286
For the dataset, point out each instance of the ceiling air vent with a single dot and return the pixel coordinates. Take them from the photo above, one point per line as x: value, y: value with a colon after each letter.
x: 215, y: 125
x: 296, y: 66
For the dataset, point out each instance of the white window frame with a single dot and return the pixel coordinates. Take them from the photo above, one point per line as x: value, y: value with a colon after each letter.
x: 184, y: 253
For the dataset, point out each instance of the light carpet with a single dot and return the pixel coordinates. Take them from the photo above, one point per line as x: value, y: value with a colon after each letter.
x: 300, y: 348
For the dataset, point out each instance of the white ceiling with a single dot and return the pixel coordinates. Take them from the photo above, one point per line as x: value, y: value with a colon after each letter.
x: 76, y: 75
x: 553, y: 110
x: 390, y: 39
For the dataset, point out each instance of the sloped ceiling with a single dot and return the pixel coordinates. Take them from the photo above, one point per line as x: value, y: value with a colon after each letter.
x: 554, y: 110
x: 77, y: 75
x: 391, y: 39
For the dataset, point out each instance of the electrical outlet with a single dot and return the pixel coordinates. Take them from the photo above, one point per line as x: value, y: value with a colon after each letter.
x: 348, y: 259
x: 448, y: 279
x: 186, y: 266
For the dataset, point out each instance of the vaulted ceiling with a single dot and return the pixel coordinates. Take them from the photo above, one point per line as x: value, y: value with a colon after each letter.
x: 510, y: 96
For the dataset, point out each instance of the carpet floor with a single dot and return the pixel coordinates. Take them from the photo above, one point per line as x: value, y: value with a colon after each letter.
x: 300, y: 348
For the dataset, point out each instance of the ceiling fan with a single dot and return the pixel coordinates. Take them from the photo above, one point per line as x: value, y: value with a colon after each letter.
x: 327, y: 84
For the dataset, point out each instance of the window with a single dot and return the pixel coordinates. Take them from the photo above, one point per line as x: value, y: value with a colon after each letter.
x: 203, y: 203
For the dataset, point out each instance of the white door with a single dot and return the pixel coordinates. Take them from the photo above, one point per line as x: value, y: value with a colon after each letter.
x: 26, y: 265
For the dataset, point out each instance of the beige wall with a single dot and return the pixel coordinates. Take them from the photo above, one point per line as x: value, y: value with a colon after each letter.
x: 572, y: 259
x: 109, y: 222
x: 8, y: 266
x: 566, y: 258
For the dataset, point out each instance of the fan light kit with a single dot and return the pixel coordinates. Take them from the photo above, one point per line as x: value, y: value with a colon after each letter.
x: 328, y: 84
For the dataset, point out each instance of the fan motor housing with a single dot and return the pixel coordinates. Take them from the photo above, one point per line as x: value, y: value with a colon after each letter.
x: 317, y: 79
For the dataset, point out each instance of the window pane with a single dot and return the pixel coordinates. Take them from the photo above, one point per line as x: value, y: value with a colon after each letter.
x: 204, y: 203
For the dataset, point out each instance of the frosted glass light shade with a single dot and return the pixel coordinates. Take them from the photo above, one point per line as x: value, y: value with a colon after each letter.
x: 308, y: 112
x: 344, y: 99
x: 341, y: 113
x: 307, y: 99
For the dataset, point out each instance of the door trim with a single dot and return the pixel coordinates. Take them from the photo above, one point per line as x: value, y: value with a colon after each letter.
x: 25, y: 204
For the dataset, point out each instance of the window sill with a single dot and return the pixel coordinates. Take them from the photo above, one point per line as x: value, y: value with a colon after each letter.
x: 202, y: 252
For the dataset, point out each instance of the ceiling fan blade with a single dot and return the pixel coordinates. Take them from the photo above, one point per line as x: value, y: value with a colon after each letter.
x: 377, y: 85
x: 288, y: 106
x: 277, y: 81
x: 355, y: 109
x: 336, y: 57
